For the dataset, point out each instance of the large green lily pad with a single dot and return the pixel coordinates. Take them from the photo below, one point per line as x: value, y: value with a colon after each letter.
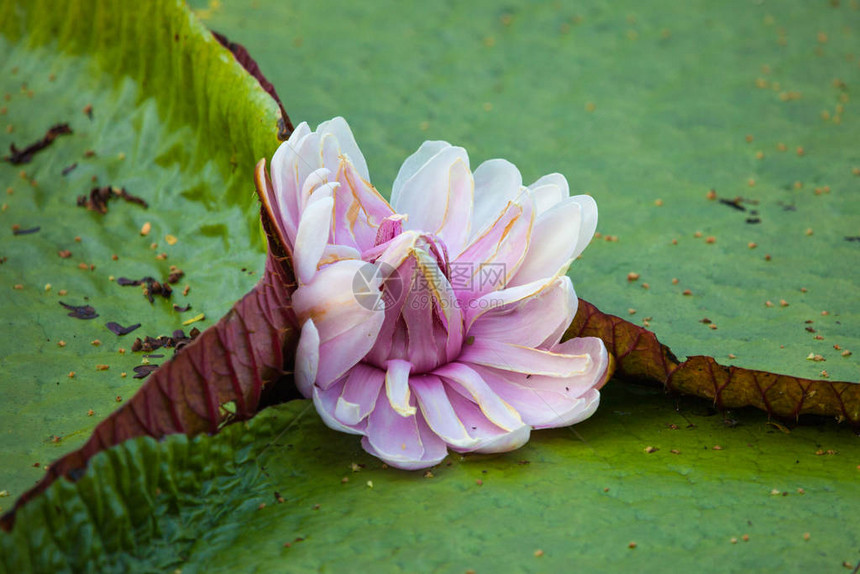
x: 637, y: 104
x: 284, y: 493
x: 184, y: 145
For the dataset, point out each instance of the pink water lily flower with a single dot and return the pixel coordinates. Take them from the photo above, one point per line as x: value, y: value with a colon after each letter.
x: 433, y: 322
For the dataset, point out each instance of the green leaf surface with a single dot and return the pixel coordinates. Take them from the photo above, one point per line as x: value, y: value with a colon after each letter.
x: 634, y: 103
x: 184, y: 144
x: 284, y: 493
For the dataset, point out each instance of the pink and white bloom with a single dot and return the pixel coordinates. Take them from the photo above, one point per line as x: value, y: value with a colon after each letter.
x: 433, y: 322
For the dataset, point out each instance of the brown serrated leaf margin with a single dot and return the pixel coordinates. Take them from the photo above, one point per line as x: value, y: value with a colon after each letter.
x: 640, y: 356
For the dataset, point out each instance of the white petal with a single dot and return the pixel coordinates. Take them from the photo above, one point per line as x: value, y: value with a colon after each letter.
x: 307, y: 358
x: 413, y: 163
x: 312, y: 237
x: 314, y: 180
x: 424, y: 197
x: 497, y: 181
x: 559, y: 235
x: 549, y: 190
x: 346, y: 145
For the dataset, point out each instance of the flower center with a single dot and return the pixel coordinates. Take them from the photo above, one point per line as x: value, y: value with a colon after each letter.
x: 423, y: 324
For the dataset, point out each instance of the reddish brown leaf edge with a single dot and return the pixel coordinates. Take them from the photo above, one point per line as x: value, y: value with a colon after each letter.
x: 640, y: 356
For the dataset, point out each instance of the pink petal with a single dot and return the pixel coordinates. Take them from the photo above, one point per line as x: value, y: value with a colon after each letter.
x: 360, y: 391
x: 397, y: 387
x: 341, y: 353
x: 463, y: 378
x: 489, y: 437
x: 325, y: 402
x: 402, y: 442
x: 441, y: 298
x: 438, y: 412
x: 329, y: 298
x: 347, y: 329
x: 527, y: 315
x: 359, y: 209
x: 307, y: 358
x: 548, y: 402
x: 497, y: 182
x: 493, y: 257
x: 519, y: 359
x: 312, y: 237
x: 426, y: 195
x: 413, y: 163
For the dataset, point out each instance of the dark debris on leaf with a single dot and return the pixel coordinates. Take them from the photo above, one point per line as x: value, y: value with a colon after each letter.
x: 98, y: 198
x: 68, y: 169
x: 151, y: 287
x: 20, y: 156
x: 143, y: 371
x: 179, y: 309
x: 26, y: 231
x: 176, y: 341
x: 80, y: 311
x: 733, y: 203
x: 118, y: 329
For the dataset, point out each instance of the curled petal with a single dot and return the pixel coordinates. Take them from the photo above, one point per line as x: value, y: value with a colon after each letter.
x: 360, y: 391
x: 285, y: 179
x: 397, y: 387
x: 325, y: 402
x: 341, y: 353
